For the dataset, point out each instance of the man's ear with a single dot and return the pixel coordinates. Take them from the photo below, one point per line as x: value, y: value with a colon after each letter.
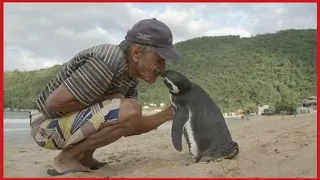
x: 136, y: 52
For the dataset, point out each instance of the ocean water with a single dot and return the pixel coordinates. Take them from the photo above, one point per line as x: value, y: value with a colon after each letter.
x: 16, y: 126
x: 16, y: 121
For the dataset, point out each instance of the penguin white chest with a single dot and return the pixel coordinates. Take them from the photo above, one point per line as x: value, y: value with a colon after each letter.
x: 193, y: 144
x: 188, y: 128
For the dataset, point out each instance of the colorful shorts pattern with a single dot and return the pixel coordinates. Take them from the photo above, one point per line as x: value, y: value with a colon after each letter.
x: 66, y: 131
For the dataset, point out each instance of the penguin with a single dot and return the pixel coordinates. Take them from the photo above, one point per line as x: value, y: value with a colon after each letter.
x: 199, y: 119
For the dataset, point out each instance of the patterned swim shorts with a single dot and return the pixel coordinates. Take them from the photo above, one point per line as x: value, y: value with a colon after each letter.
x: 64, y: 132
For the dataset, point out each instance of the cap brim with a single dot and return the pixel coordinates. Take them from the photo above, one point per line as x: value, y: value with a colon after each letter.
x: 168, y: 53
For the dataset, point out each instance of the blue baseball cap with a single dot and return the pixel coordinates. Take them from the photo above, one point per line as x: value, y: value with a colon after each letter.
x: 156, y: 34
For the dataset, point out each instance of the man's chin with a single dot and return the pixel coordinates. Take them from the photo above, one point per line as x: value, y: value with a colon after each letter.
x: 150, y: 81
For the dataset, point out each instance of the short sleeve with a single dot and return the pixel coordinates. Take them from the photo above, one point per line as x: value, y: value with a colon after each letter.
x: 90, y: 80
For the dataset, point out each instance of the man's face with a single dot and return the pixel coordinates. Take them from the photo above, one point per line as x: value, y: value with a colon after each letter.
x: 147, y: 63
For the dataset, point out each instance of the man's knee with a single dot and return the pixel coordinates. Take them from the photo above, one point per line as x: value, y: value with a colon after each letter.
x: 130, y: 107
x: 130, y: 113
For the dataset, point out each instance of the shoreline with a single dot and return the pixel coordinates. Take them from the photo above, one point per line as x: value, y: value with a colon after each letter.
x: 18, y: 131
x: 269, y: 147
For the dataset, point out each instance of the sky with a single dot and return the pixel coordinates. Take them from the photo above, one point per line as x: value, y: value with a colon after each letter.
x: 41, y: 35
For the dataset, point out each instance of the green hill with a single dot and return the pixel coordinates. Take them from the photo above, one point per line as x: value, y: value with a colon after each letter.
x: 236, y: 72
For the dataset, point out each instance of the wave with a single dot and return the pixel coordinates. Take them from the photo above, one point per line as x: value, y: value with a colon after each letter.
x: 16, y: 129
x: 16, y: 121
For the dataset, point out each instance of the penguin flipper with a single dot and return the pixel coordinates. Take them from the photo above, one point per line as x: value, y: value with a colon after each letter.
x: 180, y: 119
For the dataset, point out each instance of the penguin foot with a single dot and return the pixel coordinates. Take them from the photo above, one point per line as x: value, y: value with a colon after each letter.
x: 208, y: 159
x: 234, y: 151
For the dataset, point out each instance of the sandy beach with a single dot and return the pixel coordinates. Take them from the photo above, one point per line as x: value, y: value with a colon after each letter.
x: 269, y: 147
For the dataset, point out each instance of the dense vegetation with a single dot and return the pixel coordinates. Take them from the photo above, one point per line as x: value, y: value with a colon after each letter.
x: 275, y: 69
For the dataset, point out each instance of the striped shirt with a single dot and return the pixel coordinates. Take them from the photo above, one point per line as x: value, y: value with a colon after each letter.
x: 90, y: 74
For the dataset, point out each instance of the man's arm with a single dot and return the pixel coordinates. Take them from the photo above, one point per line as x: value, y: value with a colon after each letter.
x: 149, y: 123
x: 112, y: 96
x: 82, y: 88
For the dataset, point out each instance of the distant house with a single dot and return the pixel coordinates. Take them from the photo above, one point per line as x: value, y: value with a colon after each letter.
x: 310, y: 102
x: 261, y: 108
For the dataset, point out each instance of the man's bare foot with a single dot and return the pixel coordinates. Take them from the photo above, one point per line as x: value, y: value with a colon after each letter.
x: 93, y: 164
x: 88, y: 161
x: 64, y: 166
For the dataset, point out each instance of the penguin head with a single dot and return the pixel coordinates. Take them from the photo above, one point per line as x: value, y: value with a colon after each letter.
x: 176, y: 82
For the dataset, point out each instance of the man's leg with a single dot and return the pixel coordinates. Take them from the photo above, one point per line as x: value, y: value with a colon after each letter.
x: 129, y: 116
